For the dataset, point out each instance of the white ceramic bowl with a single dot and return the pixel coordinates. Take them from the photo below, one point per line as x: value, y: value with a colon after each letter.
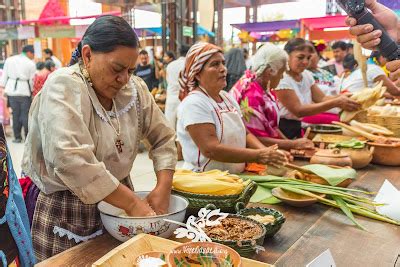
x: 123, y: 228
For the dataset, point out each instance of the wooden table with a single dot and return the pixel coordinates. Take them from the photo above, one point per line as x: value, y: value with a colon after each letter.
x: 306, y: 233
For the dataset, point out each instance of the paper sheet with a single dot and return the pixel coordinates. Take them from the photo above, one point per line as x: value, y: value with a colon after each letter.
x: 389, y: 195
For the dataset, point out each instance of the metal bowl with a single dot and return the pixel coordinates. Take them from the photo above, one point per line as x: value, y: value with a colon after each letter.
x: 124, y: 228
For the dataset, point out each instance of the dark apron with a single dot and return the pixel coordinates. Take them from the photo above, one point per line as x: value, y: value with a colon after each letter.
x: 290, y: 128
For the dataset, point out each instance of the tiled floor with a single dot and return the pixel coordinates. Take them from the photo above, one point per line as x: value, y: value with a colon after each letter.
x: 142, y: 173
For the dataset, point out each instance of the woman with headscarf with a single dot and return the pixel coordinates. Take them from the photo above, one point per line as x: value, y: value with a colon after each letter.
x: 210, y: 127
x: 258, y: 103
x: 236, y: 66
x: 82, y: 151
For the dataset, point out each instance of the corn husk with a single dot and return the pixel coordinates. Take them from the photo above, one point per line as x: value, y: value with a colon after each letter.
x: 366, y: 98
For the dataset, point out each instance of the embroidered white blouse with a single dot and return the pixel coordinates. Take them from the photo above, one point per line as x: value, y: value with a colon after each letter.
x: 71, y: 146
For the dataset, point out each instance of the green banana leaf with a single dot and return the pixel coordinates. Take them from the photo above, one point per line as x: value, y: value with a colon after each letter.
x: 353, y: 143
x: 331, y: 175
x: 263, y: 195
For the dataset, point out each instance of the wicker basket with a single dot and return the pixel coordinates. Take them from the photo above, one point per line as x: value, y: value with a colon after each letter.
x: 361, y: 116
x: 390, y: 122
x: 226, y: 203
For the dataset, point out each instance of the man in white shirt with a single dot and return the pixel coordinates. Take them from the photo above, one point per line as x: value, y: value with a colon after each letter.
x: 173, y: 87
x: 339, y: 52
x: 48, y: 54
x: 17, y: 81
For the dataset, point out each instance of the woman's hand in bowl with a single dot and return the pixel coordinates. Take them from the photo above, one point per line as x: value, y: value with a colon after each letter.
x: 140, y: 208
x: 159, y: 200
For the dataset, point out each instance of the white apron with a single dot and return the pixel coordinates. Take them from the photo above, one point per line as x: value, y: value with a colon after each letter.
x: 233, y: 133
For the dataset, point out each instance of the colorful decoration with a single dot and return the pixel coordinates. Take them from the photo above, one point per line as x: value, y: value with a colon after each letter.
x: 320, y: 45
x: 53, y: 9
x: 245, y: 37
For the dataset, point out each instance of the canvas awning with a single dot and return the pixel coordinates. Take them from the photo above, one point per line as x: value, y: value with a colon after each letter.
x: 324, y: 22
x: 53, y: 9
x: 271, y: 26
x: 157, y: 31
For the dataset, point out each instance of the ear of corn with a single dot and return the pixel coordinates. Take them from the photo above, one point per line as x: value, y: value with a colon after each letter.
x: 212, y: 182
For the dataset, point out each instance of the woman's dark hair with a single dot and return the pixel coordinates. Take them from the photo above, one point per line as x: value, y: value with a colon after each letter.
x: 105, y: 34
x: 40, y: 65
x: 349, y: 62
x: 170, y: 54
x: 298, y: 44
x: 49, y: 64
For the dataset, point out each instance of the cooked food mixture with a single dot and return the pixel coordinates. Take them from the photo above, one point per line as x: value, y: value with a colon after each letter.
x: 234, y: 229
x: 262, y: 218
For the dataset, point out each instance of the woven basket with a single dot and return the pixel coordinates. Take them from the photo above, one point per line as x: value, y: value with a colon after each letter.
x: 226, y: 203
x: 390, y: 122
x: 361, y: 116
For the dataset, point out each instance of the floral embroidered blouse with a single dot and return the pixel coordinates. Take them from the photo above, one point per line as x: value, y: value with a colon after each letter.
x: 259, y: 106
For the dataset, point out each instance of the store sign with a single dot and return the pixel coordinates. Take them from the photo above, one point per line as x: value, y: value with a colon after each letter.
x: 60, y: 31
x: 80, y: 30
x: 187, y: 31
x: 26, y: 32
x: 8, y: 34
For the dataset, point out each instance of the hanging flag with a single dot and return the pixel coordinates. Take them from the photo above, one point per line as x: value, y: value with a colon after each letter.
x: 26, y: 32
x: 206, y: 11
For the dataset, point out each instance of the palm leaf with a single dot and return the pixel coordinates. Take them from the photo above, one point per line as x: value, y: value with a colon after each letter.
x: 346, y: 210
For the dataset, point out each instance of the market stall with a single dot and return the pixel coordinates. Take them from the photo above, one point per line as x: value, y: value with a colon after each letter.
x: 325, y: 28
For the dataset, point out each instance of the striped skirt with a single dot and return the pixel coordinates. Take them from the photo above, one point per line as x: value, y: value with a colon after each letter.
x: 61, y: 221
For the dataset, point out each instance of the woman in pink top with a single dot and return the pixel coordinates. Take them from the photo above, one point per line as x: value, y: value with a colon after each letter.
x: 258, y: 102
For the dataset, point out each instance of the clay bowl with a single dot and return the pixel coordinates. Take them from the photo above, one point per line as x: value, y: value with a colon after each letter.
x: 386, y: 154
x: 360, y: 157
x: 293, y: 199
x: 318, y: 180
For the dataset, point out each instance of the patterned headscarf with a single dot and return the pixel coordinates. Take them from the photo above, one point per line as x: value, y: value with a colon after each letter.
x: 196, y: 57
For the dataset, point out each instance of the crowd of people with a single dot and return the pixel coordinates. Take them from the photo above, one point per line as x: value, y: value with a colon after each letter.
x: 87, y: 120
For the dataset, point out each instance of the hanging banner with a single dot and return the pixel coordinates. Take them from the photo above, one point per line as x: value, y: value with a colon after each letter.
x: 26, y: 32
x: 37, y: 46
x: 80, y: 30
x: 206, y: 14
x: 59, y: 31
x: 8, y: 34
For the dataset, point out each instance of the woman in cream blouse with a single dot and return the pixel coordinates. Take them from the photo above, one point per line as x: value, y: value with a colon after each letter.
x: 84, y: 130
